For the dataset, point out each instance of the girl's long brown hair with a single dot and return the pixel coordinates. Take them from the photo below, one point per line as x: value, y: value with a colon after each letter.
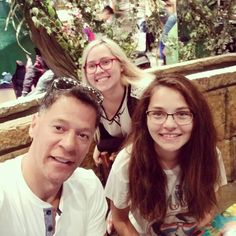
x: 198, y: 163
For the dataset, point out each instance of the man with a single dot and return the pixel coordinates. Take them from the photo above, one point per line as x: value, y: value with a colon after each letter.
x: 43, y: 193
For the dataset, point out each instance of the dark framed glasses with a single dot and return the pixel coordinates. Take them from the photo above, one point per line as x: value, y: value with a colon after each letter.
x: 64, y: 83
x: 158, y: 117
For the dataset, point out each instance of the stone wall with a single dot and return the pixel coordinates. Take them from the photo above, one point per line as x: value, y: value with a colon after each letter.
x: 220, y: 91
x: 216, y: 77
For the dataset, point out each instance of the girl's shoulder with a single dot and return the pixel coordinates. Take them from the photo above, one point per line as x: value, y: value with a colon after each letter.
x: 123, y: 157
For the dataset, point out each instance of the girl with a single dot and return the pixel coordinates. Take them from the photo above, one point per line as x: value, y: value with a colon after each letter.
x: 168, y: 174
x: 106, y: 67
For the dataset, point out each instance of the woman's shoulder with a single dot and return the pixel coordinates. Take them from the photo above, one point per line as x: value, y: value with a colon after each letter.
x: 123, y: 157
x: 138, y: 88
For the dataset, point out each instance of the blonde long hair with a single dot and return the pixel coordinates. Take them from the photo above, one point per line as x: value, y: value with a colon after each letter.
x: 131, y: 74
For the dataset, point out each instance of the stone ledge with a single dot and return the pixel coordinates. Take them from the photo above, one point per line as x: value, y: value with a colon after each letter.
x: 215, y: 79
x: 14, y: 133
x: 19, y: 105
x: 13, y: 154
x: 198, y: 65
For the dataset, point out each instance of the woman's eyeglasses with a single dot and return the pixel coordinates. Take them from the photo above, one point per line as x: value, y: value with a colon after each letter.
x: 104, y: 63
x: 64, y: 83
x: 184, y: 117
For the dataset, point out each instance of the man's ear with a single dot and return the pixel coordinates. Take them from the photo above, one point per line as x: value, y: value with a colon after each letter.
x: 33, y: 125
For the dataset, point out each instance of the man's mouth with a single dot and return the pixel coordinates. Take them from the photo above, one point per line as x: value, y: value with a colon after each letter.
x: 61, y: 160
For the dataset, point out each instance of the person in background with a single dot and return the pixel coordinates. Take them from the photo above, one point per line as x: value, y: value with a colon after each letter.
x: 123, y: 10
x: 18, y: 78
x: 108, y: 15
x: 45, y: 192
x: 44, y: 83
x: 170, y: 8
x: 33, y: 72
x: 106, y: 68
x: 90, y: 36
x: 169, y: 172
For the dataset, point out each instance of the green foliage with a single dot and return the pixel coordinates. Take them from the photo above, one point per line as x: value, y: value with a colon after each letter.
x: 69, y: 34
x: 206, y: 28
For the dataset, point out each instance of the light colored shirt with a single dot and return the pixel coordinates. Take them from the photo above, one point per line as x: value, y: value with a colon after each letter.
x: 117, y: 190
x: 82, y: 205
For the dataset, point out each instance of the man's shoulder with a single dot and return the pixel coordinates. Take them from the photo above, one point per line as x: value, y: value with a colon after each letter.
x: 10, y: 173
x: 83, y: 182
x: 84, y: 173
x: 83, y: 177
x: 9, y: 165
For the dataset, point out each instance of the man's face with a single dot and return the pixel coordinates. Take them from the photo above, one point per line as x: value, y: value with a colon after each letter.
x: 61, y: 136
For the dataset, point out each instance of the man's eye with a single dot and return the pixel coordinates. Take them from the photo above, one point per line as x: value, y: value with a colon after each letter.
x: 83, y: 136
x: 58, y: 128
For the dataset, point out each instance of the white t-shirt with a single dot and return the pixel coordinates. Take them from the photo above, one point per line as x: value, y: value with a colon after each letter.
x: 82, y: 205
x: 117, y: 189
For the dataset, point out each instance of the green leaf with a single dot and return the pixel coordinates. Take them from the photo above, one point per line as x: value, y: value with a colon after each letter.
x: 58, y: 23
x: 51, y: 11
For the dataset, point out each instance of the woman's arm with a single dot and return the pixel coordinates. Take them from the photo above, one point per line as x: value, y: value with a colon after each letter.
x: 122, y: 224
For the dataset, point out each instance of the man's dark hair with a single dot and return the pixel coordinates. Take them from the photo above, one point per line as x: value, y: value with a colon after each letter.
x: 80, y: 92
x: 108, y: 9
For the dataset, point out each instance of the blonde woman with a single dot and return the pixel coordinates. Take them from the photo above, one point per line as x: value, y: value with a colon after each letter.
x: 106, y: 67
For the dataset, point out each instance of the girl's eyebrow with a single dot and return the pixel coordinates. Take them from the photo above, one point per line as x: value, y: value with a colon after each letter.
x: 183, y: 108
x: 179, y: 108
x: 93, y: 61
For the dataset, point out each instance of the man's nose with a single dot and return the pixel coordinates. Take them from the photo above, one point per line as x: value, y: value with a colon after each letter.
x: 68, y: 142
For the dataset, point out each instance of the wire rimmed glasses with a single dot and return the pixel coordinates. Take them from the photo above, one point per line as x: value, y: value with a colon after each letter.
x: 104, y: 63
x: 183, y: 117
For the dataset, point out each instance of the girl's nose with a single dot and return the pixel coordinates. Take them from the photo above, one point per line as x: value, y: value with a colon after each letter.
x: 99, y: 69
x: 170, y: 122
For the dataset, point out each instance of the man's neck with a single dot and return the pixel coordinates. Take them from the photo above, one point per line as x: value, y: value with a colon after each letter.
x: 47, y: 192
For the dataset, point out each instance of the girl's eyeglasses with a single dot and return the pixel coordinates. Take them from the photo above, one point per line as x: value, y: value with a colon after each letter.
x: 64, y: 83
x: 104, y: 63
x: 184, y: 117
